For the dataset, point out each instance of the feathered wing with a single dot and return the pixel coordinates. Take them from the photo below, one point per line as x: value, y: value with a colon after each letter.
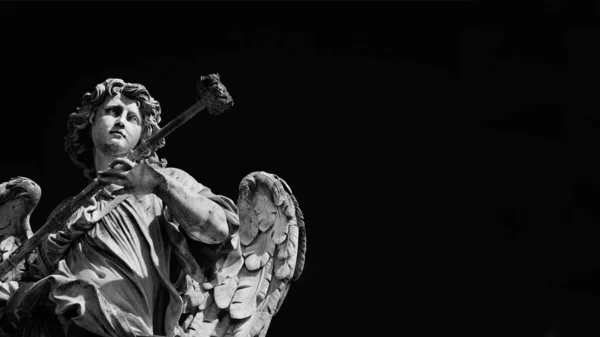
x: 252, y: 280
x: 18, y: 198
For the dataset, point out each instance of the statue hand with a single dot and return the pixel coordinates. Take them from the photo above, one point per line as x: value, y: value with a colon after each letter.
x: 137, y: 178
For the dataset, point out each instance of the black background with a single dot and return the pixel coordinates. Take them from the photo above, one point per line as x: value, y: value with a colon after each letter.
x: 444, y: 154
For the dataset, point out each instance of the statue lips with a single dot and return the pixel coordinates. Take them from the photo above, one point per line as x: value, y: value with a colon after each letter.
x: 118, y: 132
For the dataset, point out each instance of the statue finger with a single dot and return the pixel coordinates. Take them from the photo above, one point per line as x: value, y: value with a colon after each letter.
x: 122, y: 191
x: 113, y: 173
x: 125, y: 163
x: 144, y: 161
x: 113, y: 180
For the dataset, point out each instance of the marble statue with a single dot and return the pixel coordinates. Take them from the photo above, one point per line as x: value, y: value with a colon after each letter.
x: 145, y: 249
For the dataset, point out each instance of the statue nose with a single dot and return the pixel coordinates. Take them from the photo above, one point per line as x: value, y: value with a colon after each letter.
x: 121, y: 118
x: 119, y: 121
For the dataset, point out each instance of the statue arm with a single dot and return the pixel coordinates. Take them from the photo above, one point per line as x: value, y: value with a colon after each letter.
x: 198, y: 216
x: 189, y: 202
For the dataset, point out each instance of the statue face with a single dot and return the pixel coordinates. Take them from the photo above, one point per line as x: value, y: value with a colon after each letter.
x: 117, y: 125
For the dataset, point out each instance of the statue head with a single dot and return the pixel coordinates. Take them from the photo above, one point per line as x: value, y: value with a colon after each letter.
x: 78, y: 142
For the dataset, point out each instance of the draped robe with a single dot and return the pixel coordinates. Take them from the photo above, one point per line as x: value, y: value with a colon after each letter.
x: 111, y: 273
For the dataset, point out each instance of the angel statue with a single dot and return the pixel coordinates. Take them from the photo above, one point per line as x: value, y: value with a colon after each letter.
x: 146, y: 249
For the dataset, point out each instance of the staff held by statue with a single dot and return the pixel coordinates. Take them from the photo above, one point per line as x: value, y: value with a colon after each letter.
x: 213, y: 96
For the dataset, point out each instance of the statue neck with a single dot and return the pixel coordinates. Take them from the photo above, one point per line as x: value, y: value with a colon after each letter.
x: 102, y: 160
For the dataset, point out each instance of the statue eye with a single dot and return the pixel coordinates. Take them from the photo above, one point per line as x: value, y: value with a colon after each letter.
x: 110, y: 111
x: 133, y: 118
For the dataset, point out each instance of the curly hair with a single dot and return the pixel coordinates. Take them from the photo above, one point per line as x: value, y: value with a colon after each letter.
x: 78, y: 142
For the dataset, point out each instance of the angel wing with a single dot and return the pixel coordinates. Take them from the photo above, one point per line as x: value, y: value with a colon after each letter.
x: 18, y: 198
x: 252, y: 280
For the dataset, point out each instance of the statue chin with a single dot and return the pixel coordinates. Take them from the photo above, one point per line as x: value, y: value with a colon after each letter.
x: 114, y: 148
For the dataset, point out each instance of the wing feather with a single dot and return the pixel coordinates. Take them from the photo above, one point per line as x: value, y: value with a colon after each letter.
x: 284, y: 267
x: 258, y: 253
x: 290, y: 210
x: 274, y: 298
x: 196, y: 322
x: 264, y: 209
x: 230, y: 265
x: 301, y: 256
x: 282, y: 251
x: 248, y: 217
x: 243, y: 304
x: 280, y: 228
x: 224, y: 293
x: 210, y: 319
x: 223, y: 328
x: 259, y: 322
